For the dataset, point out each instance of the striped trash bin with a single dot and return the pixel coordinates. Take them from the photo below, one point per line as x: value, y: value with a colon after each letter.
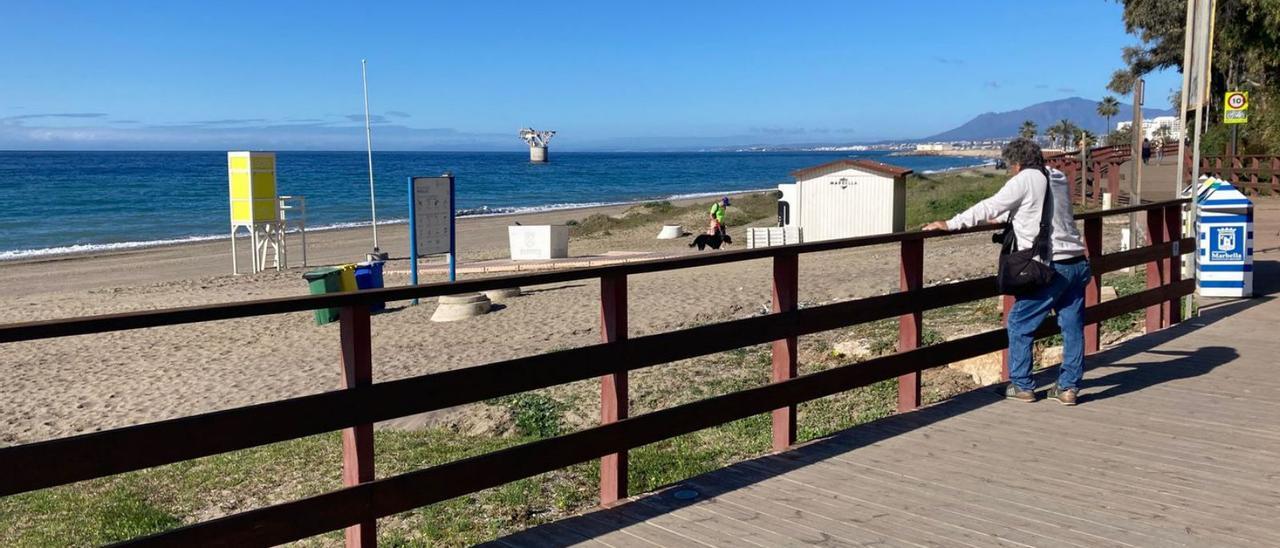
x: 1225, y: 232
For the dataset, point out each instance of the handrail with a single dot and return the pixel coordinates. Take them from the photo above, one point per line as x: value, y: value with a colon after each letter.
x: 41, y: 329
x: 357, y: 406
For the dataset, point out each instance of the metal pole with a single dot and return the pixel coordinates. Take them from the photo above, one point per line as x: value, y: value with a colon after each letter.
x: 453, y: 230
x: 413, y: 238
x: 1188, y: 266
x: 1135, y: 161
x: 368, y: 139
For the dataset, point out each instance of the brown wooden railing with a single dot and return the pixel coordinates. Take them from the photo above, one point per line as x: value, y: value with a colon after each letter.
x: 360, y: 403
x: 1101, y: 172
x: 1255, y: 174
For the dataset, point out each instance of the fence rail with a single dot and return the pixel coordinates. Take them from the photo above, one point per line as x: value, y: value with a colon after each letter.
x: 360, y: 403
x: 1250, y: 173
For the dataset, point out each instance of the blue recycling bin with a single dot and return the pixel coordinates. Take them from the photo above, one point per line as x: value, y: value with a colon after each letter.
x: 369, y: 276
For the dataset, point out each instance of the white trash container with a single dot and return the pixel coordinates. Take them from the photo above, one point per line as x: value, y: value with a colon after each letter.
x: 1225, y: 236
x: 538, y: 242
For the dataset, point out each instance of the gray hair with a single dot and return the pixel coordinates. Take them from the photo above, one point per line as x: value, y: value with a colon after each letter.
x: 1024, y: 152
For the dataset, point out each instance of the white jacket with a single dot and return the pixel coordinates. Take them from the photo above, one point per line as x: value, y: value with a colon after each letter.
x: 1022, y: 199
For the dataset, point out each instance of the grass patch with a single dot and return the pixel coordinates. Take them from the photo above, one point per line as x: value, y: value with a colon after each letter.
x: 536, y: 415
x: 1126, y: 284
x: 935, y: 197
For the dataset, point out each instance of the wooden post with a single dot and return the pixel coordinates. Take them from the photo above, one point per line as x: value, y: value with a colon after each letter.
x: 1093, y: 293
x: 613, y: 387
x: 1173, y: 273
x: 910, y: 326
x: 1097, y: 183
x: 1006, y: 304
x: 1275, y: 174
x: 1157, y: 269
x: 357, y: 441
x: 1255, y: 171
x: 786, y: 289
x: 1113, y: 184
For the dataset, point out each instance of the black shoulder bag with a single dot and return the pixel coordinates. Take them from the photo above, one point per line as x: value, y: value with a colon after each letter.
x: 1019, y: 272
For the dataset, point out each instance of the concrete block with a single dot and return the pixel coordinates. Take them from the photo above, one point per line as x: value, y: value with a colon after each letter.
x: 496, y: 295
x: 460, y: 307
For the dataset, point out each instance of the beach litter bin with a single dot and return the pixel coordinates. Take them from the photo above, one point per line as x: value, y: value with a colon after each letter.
x: 1224, y: 226
x: 322, y: 281
x: 369, y: 276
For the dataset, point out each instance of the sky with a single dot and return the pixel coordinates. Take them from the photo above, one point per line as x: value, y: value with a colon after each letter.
x: 282, y: 75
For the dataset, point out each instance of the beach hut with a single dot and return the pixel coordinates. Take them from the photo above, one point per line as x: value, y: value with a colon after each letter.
x: 844, y: 199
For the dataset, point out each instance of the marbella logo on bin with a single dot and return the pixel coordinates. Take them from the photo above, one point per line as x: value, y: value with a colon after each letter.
x: 1225, y: 243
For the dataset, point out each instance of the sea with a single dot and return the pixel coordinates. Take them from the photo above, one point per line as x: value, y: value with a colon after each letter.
x: 54, y: 203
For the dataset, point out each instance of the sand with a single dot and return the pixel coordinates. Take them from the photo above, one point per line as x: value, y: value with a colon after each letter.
x: 72, y: 385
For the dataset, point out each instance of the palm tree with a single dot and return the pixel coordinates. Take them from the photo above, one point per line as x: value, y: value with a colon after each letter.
x: 1061, y: 134
x: 1107, y: 108
x: 1053, y: 133
x: 1028, y: 130
x: 1088, y: 138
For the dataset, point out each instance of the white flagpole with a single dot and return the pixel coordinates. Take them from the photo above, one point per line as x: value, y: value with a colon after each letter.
x: 368, y: 139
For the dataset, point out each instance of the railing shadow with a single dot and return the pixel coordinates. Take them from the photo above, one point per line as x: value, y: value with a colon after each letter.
x: 1185, y: 364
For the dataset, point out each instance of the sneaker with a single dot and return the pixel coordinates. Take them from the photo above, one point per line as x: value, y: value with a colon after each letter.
x: 1015, y: 393
x: 1064, y: 397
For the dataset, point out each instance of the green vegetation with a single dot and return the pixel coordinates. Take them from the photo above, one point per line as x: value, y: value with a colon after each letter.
x: 934, y: 197
x: 535, y: 414
x: 1246, y: 56
x: 1125, y: 284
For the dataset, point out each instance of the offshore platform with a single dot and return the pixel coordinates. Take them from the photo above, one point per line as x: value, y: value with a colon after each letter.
x: 537, y: 141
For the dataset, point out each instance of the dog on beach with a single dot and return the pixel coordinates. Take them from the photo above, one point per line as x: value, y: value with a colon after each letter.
x: 714, y: 241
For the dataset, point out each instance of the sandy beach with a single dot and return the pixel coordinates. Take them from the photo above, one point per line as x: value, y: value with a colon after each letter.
x: 79, y: 384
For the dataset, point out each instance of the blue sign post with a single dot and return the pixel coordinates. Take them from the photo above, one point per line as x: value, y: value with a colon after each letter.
x: 431, y: 222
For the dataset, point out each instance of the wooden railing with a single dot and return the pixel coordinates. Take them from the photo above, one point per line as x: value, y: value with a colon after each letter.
x: 1255, y: 174
x: 360, y: 403
x: 1100, y: 173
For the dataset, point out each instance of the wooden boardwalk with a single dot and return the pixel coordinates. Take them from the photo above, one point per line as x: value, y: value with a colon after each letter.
x: 1176, y: 443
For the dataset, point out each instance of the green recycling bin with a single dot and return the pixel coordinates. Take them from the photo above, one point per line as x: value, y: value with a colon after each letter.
x: 322, y: 281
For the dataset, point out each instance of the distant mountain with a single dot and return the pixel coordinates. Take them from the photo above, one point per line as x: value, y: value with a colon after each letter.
x: 1082, y: 112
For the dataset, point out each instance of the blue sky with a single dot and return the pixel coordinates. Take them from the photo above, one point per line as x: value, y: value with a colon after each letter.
x: 466, y: 75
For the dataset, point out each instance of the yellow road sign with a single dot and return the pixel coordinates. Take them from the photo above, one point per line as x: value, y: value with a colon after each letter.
x: 1235, y: 107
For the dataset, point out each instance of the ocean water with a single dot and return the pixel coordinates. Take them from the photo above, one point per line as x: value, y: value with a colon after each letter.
x: 63, y: 202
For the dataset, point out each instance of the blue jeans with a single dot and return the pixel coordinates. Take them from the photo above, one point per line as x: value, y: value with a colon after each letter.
x: 1065, y: 297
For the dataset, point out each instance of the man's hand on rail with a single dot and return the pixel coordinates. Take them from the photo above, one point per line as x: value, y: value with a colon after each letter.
x: 936, y: 225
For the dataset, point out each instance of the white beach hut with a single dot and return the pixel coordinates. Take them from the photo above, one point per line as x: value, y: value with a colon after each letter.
x: 844, y: 199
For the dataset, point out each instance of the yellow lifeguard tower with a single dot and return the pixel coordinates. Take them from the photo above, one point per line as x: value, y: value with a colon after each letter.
x: 255, y: 206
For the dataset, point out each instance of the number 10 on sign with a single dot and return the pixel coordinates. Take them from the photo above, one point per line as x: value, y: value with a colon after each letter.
x: 1236, y: 107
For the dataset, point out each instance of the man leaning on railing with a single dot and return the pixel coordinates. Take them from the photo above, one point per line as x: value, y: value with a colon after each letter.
x: 1021, y: 200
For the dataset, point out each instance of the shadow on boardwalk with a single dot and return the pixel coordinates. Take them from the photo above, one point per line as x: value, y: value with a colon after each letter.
x: 1117, y: 379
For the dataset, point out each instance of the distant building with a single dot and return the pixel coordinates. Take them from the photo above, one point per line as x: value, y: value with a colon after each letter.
x: 844, y: 199
x: 1151, y: 127
x: 934, y: 147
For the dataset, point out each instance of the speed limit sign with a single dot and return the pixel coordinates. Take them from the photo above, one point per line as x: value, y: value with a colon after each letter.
x: 1236, y: 107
